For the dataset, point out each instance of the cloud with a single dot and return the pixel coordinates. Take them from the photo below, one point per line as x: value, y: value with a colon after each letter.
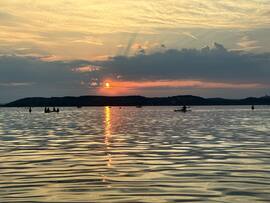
x: 22, y: 76
x: 181, y: 84
x: 216, y: 64
x: 8, y: 19
x: 187, y: 69
x: 120, y: 46
x: 122, y: 15
x: 15, y: 84
x: 130, y: 44
x: 18, y: 69
x: 141, y: 48
x: 86, y: 69
x: 89, y: 40
x: 83, y: 29
x: 246, y: 44
x: 5, y: 15
x: 188, y: 34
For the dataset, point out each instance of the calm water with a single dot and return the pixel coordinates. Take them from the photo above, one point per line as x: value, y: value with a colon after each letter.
x: 213, y: 154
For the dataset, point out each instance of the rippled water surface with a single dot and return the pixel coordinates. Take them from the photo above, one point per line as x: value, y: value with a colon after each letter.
x: 152, y: 154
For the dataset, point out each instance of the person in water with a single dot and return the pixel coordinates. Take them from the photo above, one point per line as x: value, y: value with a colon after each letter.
x: 47, y: 110
x: 30, y: 109
x: 252, y: 107
x: 184, y: 108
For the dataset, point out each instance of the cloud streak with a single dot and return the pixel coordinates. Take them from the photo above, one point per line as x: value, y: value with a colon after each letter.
x: 182, y: 83
x: 58, y: 26
x: 188, y: 34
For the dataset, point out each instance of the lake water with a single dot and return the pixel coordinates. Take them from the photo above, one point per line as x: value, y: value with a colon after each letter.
x: 152, y: 154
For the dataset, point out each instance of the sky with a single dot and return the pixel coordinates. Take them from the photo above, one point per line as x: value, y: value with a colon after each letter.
x: 207, y: 48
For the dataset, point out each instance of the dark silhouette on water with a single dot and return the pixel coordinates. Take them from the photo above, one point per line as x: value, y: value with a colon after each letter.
x: 252, y: 107
x: 47, y: 110
x: 184, y: 109
x: 30, y: 109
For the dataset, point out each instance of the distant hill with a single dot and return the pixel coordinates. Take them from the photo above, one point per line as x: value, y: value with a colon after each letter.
x: 134, y: 101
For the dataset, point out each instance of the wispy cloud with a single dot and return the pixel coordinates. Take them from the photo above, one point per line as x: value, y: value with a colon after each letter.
x: 87, y: 69
x: 188, y: 34
x: 15, y: 84
x: 247, y: 44
x: 59, y: 26
x: 89, y: 40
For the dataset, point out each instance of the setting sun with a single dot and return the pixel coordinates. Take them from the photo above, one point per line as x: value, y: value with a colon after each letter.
x: 107, y: 85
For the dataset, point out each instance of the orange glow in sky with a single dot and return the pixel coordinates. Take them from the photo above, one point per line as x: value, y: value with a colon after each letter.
x: 129, y: 87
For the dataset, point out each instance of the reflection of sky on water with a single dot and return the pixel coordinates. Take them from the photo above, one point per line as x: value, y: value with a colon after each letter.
x: 149, y: 155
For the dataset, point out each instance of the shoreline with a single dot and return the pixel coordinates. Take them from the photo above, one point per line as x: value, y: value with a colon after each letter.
x: 118, y: 101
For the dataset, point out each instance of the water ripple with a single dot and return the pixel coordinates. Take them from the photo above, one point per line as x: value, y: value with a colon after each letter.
x: 213, y: 154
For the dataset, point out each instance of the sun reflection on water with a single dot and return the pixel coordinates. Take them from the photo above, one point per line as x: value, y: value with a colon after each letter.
x: 107, y: 136
x: 107, y: 112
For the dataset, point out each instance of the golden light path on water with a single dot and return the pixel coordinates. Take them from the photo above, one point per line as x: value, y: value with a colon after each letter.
x: 128, y: 154
x: 107, y: 110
